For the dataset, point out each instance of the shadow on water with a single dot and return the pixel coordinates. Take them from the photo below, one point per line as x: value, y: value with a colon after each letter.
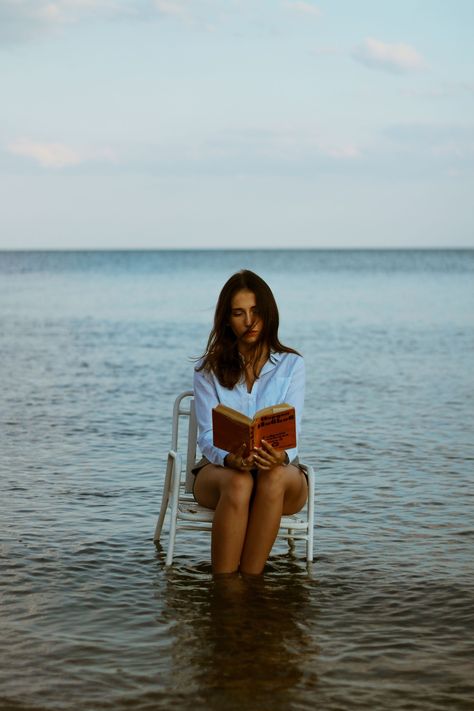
x: 242, y: 642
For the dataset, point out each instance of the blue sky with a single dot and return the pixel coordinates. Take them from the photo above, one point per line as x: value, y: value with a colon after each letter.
x: 238, y: 123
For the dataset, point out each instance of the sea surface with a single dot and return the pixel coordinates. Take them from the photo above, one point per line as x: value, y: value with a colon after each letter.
x: 94, y: 347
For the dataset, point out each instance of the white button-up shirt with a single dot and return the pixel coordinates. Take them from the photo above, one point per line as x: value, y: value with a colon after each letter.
x: 282, y: 379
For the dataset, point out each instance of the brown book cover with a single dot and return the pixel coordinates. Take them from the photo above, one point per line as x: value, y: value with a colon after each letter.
x: 276, y: 425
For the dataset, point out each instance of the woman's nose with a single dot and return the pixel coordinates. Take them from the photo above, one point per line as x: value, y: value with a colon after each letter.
x: 248, y: 319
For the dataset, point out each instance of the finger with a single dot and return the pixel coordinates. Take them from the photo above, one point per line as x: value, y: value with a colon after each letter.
x: 269, y: 448
x: 264, y: 461
x: 266, y: 454
x: 240, y: 452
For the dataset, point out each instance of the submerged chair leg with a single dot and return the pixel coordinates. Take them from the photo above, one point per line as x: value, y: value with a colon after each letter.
x: 165, y: 499
x: 309, y: 544
x: 176, y: 471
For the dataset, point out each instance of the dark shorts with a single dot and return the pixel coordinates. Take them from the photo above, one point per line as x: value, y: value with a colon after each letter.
x: 204, y: 461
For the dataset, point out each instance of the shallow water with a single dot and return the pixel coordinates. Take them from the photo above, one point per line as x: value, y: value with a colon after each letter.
x: 94, y: 348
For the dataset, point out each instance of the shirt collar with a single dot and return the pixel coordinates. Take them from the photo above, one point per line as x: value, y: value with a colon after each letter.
x: 271, y: 363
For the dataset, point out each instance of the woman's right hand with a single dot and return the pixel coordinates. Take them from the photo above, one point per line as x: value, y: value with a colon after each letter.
x: 237, y: 460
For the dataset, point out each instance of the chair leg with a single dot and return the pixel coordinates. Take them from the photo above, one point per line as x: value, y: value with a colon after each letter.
x: 164, y: 500
x: 309, y: 546
x: 310, y: 504
x: 176, y: 469
x: 172, y: 536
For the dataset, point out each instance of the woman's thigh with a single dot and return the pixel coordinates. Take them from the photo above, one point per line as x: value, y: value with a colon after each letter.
x: 296, y: 489
x: 212, y: 481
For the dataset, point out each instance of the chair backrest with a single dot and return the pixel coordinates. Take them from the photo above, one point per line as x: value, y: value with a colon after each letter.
x: 184, y: 414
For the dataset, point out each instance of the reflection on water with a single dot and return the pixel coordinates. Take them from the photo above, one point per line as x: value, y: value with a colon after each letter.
x: 242, y: 640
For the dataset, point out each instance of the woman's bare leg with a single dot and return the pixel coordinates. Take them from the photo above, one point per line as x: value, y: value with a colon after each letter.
x: 282, y: 490
x: 228, y: 492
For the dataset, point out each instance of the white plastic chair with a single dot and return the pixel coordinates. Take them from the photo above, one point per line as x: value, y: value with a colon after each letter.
x: 178, y: 500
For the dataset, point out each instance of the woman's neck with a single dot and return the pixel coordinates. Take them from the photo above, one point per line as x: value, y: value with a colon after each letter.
x: 254, y: 357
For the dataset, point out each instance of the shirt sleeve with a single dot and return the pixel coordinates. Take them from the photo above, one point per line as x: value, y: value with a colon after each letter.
x: 295, y: 397
x: 205, y: 398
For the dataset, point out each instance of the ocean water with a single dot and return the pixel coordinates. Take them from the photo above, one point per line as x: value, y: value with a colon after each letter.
x: 95, y: 346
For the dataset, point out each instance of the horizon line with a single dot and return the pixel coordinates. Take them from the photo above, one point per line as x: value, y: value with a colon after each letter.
x: 240, y: 249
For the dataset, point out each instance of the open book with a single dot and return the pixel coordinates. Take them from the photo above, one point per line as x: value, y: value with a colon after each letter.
x: 276, y: 425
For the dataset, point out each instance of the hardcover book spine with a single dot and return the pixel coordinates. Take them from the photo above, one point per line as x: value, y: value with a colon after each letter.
x: 252, y: 434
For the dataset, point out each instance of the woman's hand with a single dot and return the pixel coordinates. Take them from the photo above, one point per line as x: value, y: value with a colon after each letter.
x: 266, y: 457
x: 237, y: 460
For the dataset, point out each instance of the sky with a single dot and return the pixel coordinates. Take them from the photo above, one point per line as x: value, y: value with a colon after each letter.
x: 236, y: 124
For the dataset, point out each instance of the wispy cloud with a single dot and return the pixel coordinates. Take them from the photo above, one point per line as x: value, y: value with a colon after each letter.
x: 177, y: 9
x: 57, y: 155
x: 233, y: 151
x: 200, y: 14
x: 388, y: 57
x: 67, y: 11
x: 22, y: 20
x: 278, y: 151
x: 303, y: 8
x: 28, y: 19
x: 434, y: 144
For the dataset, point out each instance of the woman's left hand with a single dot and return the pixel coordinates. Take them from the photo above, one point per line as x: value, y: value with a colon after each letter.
x: 266, y: 457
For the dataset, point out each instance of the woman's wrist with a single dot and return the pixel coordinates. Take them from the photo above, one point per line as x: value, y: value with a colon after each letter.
x: 234, y: 461
x: 230, y: 461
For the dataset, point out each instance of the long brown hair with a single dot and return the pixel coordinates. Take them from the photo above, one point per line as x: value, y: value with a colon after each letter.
x: 222, y: 355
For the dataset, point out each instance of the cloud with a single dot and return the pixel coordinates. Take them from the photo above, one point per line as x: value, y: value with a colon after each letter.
x: 67, y: 11
x: 303, y: 8
x: 28, y: 19
x: 388, y: 57
x: 201, y: 14
x: 177, y: 9
x: 237, y: 152
x: 433, y: 145
x: 250, y: 151
x: 279, y: 151
x: 57, y: 155
x: 22, y: 20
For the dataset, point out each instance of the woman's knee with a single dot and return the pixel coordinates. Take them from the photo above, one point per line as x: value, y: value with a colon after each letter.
x: 272, y: 482
x: 238, y: 488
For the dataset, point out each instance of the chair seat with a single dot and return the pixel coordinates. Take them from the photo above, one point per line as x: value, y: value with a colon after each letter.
x: 189, y: 509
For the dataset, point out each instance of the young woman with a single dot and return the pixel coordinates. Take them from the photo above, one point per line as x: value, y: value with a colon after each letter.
x: 247, y: 368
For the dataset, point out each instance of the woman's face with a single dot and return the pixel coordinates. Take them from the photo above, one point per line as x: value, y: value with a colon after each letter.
x: 244, y: 318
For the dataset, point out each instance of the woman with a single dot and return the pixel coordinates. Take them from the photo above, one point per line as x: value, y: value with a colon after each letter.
x: 247, y: 368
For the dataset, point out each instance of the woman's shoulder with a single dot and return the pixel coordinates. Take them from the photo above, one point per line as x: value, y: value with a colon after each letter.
x: 288, y: 360
x: 202, y: 373
x: 287, y: 356
x: 199, y: 364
